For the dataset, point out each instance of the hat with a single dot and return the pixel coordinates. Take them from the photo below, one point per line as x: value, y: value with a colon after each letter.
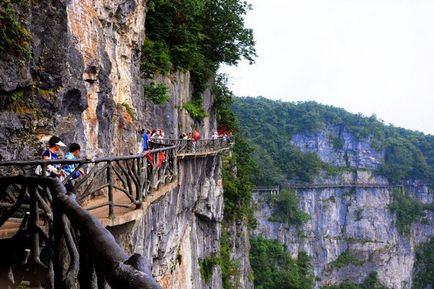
x: 60, y: 143
x: 55, y: 141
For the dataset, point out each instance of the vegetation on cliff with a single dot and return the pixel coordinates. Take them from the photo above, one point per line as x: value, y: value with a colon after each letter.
x: 285, y: 209
x: 371, y: 282
x: 345, y: 259
x: 14, y: 36
x: 407, y: 210
x: 423, y: 273
x: 271, y: 124
x: 274, y: 268
x: 195, y: 36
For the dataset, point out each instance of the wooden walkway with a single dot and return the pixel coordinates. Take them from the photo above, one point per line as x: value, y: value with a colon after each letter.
x: 119, y: 190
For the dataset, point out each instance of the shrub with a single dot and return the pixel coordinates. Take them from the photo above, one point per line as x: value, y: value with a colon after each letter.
x: 14, y: 36
x: 346, y: 259
x: 274, y: 268
x: 157, y: 93
x: 206, y: 267
x: 285, y: 209
x: 195, y: 109
x: 407, y: 210
x: 423, y: 272
x: 128, y: 109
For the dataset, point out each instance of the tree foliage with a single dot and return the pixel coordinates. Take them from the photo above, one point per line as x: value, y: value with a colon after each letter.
x: 286, y: 209
x: 270, y: 125
x: 274, y: 268
x: 407, y: 210
x: 238, y: 170
x: 195, y: 36
x: 423, y: 273
x: 14, y: 36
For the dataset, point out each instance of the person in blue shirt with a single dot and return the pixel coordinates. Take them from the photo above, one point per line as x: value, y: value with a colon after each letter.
x: 146, y: 137
x: 73, y: 154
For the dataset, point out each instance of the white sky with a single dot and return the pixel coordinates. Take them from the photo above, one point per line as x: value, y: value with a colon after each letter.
x: 368, y: 56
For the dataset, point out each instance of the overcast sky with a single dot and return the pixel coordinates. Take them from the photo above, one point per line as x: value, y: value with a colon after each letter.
x: 368, y: 56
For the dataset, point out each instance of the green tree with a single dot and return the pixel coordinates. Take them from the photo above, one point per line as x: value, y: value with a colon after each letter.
x: 286, y: 209
x: 274, y: 268
x: 195, y: 36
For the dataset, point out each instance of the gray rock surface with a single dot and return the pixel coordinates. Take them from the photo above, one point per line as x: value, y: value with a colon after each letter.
x: 182, y: 228
x: 353, y: 153
x: 356, y: 220
x: 83, y: 77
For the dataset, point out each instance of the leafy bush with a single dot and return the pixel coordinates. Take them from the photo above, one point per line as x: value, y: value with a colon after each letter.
x: 274, y: 268
x: 229, y: 267
x: 14, y: 36
x: 128, y: 109
x: 19, y: 101
x: 346, y: 259
x: 407, y: 210
x: 423, y: 272
x: 371, y: 282
x: 336, y: 142
x: 156, y: 92
x: 237, y: 173
x: 155, y: 59
x: 195, y: 109
x: 285, y: 209
x: 206, y: 267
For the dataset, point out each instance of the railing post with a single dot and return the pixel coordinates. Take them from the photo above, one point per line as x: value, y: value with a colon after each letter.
x: 110, y: 189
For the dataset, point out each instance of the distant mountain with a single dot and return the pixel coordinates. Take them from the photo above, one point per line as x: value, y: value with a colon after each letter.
x: 297, y: 141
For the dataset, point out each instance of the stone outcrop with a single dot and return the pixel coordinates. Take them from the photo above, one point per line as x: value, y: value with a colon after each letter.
x: 182, y: 228
x: 83, y: 83
x: 354, y: 220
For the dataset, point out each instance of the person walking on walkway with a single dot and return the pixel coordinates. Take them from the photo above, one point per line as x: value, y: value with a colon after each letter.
x: 73, y: 154
x: 146, y: 137
x: 54, y: 170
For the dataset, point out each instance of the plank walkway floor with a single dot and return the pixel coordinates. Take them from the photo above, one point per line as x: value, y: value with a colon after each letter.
x: 122, y: 215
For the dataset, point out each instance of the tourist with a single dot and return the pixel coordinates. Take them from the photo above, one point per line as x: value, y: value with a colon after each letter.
x: 146, y: 137
x: 154, y: 134
x: 195, y: 136
x: 54, y: 170
x: 214, y: 135
x: 160, y: 133
x: 73, y: 154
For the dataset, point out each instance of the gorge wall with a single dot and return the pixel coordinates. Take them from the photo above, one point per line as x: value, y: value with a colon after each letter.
x: 182, y: 228
x: 350, y: 221
x: 83, y: 83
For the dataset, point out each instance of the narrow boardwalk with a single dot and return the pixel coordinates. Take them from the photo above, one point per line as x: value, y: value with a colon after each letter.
x: 117, y: 190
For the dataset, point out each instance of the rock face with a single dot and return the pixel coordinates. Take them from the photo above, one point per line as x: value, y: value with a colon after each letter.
x: 352, y: 220
x: 83, y: 82
x: 239, y: 242
x: 182, y: 228
x: 339, y: 147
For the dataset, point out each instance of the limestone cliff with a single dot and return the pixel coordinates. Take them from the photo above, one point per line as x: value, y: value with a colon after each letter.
x: 350, y: 220
x: 182, y: 228
x: 83, y: 83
